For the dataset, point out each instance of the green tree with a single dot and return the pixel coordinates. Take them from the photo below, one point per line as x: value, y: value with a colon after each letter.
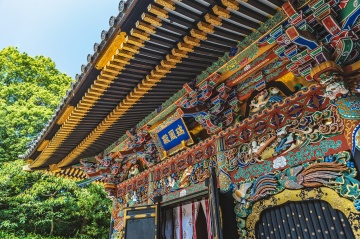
x: 30, y: 90
x: 46, y: 205
x: 36, y: 204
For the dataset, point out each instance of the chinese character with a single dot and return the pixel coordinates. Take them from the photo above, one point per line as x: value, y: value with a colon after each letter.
x: 179, y: 130
x: 172, y: 135
x: 165, y: 139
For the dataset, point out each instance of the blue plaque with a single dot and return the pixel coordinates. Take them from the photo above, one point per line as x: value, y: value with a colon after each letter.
x: 173, y: 134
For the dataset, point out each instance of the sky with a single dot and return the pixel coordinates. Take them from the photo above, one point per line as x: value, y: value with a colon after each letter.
x: 64, y: 30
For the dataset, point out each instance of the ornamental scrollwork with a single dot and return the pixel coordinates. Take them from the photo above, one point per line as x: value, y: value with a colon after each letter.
x: 335, y: 171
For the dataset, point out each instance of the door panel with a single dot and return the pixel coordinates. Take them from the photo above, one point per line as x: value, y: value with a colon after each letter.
x: 214, y: 206
x: 303, y: 220
x: 141, y: 222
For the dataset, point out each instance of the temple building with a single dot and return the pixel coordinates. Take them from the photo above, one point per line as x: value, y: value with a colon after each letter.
x: 218, y: 119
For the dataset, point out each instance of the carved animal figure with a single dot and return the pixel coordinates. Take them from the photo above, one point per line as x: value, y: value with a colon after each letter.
x: 185, y: 178
x: 262, y: 186
x: 265, y: 99
x: 358, y: 88
x: 87, y: 167
x: 259, y: 101
x: 334, y: 89
x: 240, y: 194
x: 134, y: 170
x: 315, y: 175
x: 171, y: 182
x: 274, y: 96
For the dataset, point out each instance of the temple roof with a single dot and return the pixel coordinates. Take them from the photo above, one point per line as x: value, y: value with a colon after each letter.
x: 151, y: 49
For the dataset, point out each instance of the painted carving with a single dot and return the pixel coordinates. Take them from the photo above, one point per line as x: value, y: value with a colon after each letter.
x: 274, y: 144
x: 184, y: 181
x: 191, y: 175
x: 264, y: 99
x: 136, y: 137
x: 134, y: 170
x: 260, y: 188
x: 110, y: 190
x: 316, y: 28
x: 87, y: 166
x: 240, y: 193
x: 198, y: 95
x: 134, y: 191
x: 315, y: 175
x: 141, y: 143
x: 138, y: 154
x: 334, y: 85
x: 334, y: 171
x: 356, y: 139
x: 213, y: 108
x: 329, y: 76
x: 280, y: 131
x: 279, y: 162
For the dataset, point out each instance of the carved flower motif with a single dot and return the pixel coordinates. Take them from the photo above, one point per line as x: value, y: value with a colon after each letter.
x: 279, y: 162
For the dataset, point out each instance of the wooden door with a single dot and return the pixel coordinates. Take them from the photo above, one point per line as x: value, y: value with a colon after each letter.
x: 303, y: 220
x: 214, y: 206
x: 141, y: 222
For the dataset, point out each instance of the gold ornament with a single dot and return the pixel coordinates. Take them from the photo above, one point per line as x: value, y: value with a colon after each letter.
x: 152, y: 20
x: 198, y: 34
x: 158, y: 11
x: 205, y: 27
x: 166, y: 3
x: 222, y: 12
x: 232, y: 4
x: 191, y: 41
x: 145, y: 27
x: 214, y: 20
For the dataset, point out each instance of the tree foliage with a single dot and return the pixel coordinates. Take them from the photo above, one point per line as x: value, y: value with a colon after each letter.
x: 37, y: 204
x: 43, y: 204
x: 30, y: 90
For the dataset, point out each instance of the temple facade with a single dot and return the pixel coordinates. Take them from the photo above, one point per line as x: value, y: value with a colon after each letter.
x: 218, y: 119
